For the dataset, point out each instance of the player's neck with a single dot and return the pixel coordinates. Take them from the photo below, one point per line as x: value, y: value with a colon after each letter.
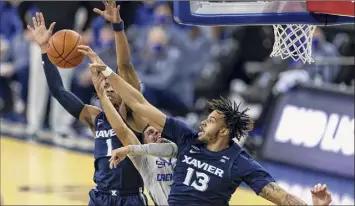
x: 218, y: 146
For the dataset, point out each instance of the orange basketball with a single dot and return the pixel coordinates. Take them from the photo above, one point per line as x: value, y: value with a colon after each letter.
x: 63, y: 49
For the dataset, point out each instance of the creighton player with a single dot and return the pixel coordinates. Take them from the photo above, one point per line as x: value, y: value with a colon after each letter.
x: 210, y: 165
x: 123, y: 185
x: 156, y: 172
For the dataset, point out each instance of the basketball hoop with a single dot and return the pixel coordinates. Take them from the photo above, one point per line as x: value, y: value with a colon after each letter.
x: 293, y: 41
x: 294, y: 21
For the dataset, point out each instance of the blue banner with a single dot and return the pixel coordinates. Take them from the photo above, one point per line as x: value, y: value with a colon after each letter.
x: 313, y: 128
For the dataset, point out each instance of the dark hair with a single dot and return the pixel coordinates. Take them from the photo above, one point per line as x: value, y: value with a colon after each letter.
x: 238, y: 122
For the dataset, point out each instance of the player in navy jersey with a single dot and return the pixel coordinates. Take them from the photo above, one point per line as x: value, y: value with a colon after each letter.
x: 210, y: 165
x: 122, y: 185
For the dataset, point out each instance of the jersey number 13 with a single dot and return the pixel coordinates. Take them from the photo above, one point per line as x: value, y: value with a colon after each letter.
x: 201, y: 182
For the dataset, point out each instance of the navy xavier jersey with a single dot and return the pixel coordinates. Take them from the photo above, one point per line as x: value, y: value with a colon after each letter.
x: 125, y: 176
x: 203, y: 177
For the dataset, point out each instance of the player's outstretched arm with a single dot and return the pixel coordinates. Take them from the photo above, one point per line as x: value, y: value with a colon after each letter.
x: 275, y: 194
x: 68, y: 100
x: 126, y: 69
x: 125, y: 135
x: 258, y: 179
x: 132, y: 97
x: 86, y: 50
x: 168, y: 150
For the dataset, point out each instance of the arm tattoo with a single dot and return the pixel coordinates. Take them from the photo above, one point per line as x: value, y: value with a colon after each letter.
x: 279, y: 196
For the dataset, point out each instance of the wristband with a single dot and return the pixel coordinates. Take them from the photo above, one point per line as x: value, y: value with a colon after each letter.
x: 118, y: 26
x: 107, y: 72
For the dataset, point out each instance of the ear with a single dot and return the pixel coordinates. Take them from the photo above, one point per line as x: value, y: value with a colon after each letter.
x: 224, y: 131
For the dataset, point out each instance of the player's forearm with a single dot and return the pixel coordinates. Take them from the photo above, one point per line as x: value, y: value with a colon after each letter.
x: 68, y: 100
x: 123, y: 132
x: 275, y: 194
x: 132, y: 97
x: 154, y: 149
x: 135, y: 100
x: 292, y: 200
x: 124, y: 64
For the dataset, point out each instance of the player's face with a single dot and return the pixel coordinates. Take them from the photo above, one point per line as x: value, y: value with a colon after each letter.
x: 151, y: 135
x: 211, y: 127
x: 111, y: 94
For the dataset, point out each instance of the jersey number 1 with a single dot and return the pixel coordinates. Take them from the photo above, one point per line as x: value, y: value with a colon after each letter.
x: 201, y: 184
x: 109, y: 147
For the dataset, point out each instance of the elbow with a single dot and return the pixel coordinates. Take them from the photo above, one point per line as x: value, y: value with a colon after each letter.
x: 137, y: 107
x: 54, y: 93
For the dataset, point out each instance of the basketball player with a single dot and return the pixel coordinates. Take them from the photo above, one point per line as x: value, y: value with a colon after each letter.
x: 122, y: 185
x: 155, y: 171
x: 210, y: 166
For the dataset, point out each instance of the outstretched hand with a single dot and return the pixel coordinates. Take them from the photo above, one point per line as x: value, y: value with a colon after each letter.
x: 111, y: 12
x: 40, y: 33
x: 87, y: 51
x: 117, y: 156
x: 320, y: 195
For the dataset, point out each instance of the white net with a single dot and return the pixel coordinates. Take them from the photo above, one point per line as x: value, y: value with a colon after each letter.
x: 293, y: 41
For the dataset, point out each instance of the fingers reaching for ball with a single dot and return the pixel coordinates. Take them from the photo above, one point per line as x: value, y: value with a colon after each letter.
x: 87, y: 51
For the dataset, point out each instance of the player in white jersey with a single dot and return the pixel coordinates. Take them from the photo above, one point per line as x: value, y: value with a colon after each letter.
x: 156, y: 168
x: 156, y: 172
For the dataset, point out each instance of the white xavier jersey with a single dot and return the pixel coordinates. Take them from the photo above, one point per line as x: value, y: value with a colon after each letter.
x: 157, y: 174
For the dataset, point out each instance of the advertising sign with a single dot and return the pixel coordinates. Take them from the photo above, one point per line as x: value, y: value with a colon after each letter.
x: 313, y: 128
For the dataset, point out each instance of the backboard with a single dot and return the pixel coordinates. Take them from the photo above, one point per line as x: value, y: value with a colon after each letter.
x: 242, y: 12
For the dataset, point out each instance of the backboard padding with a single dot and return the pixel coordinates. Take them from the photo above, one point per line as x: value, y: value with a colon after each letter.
x: 183, y: 13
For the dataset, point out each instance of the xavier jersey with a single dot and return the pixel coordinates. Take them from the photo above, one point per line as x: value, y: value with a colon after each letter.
x: 203, y: 177
x: 157, y: 174
x: 125, y: 176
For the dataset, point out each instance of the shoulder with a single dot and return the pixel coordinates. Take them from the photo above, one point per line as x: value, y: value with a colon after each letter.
x: 89, y: 114
x: 242, y: 161
x: 172, y: 123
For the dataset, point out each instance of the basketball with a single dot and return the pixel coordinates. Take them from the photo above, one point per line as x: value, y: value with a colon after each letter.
x: 63, y: 49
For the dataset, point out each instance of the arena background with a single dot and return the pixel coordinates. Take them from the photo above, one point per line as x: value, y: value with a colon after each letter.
x: 304, y: 131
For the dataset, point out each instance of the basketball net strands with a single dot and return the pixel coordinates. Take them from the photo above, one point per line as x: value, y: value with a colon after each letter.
x: 294, y: 22
x: 295, y: 40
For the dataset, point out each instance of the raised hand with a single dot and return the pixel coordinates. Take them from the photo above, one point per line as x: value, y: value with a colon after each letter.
x: 111, y: 12
x: 98, y: 79
x: 320, y: 195
x: 87, y: 51
x: 40, y: 33
x: 117, y: 156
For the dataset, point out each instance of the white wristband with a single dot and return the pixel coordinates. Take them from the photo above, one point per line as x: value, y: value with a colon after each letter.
x: 107, y: 72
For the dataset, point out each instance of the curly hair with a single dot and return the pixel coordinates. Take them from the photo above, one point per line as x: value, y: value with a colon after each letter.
x: 238, y: 122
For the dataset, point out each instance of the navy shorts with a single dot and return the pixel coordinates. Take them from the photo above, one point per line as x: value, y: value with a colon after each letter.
x: 98, y: 198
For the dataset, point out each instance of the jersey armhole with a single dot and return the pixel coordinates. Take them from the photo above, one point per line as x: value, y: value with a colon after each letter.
x: 95, y: 120
x: 231, y: 165
x: 183, y: 151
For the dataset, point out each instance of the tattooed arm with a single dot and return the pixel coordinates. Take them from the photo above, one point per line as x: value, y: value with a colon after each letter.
x: 275, y: 194
x: 246, y: 169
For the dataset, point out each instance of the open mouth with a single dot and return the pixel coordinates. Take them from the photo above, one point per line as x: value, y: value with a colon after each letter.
x: 109, y: 96
x: 201, y: 131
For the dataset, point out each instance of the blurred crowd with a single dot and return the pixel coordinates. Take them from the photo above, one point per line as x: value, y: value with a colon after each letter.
x: 180, y: 66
